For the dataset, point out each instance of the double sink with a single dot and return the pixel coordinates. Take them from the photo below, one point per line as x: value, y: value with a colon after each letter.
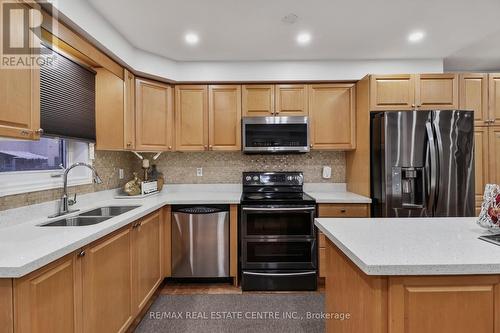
x: 90, y: 217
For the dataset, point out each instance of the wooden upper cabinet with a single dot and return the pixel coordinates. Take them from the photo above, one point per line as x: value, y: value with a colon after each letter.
x: 258, y: 100
x: 494, y: 86
x: 392, y: 92
x: 224, y: 117
x: 107, y: 284
x: 19, y: 94
x: 109, y: 115
x: 147, y: 258
x: 48, y: 300
x: 481, y: 161
x: 332, y: 116
x: 494, y: 155
x: 129, y: 111
x: 191, y: 118
x: 473, y: 91
x: 436, y: 91
x: 291, y: 100
x: 153, y: 116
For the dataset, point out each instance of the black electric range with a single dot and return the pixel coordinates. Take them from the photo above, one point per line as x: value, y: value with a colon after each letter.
x: 277, y: 233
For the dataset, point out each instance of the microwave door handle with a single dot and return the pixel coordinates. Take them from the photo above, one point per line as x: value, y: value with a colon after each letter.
x: 433, y: 167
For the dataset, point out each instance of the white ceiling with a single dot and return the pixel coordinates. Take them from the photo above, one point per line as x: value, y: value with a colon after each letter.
x: 235, y: 30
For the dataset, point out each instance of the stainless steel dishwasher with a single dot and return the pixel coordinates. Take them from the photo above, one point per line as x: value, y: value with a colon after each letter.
x: 200, y: 241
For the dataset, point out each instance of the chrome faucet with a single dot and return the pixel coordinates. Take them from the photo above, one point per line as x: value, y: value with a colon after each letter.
x: 65, y: 202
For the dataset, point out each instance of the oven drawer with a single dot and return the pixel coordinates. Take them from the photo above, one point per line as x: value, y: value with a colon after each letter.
x: 278, y: 280
x: 279, y: 254
x: 277, y: 221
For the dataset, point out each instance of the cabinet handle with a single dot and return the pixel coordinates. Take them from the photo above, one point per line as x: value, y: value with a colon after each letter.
x: 343, y: 210
x: 210, y: 147
x: 81, y: 253
x: 205, y: 146
x: 129, y: 144
x: 39, y: 131
x: 23, y: 132
x: 169, y: 147
x: 413, y: 105
x: 311, y: 145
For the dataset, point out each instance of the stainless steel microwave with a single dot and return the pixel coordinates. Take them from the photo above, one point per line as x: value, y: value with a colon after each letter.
x: 275, y: 134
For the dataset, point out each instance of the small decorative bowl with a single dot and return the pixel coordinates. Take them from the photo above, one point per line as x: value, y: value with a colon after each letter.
x: 489, y: 217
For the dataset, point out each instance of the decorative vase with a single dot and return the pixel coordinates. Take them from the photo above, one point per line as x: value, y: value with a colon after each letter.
x: 133, y: 187
x: 489, y: 217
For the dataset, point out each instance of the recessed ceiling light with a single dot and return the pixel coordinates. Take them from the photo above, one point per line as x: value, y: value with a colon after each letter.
x: 191, y: 38
x: 290, y: 18
x: 303, y: 38
x: 416, y: 36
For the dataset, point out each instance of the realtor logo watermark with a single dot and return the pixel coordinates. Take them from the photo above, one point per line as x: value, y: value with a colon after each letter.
x: 21, y: 35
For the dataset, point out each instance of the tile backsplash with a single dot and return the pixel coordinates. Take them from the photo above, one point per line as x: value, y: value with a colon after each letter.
x: 180, y: 168
x: 106, y: 164
x: 226, y: 167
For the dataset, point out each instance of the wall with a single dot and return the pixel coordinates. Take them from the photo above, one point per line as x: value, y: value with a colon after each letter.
x: 107, y: 165
x: 226, y: 167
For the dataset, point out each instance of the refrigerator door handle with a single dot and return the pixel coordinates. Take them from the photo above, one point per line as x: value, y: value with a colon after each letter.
x: 433, y: 168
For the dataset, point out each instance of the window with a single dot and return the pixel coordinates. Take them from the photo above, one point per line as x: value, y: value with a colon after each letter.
x: 27, y: 166
x: 18, y: 155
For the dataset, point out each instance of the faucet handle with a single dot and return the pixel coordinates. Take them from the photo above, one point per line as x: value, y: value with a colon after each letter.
x: 71, y: 202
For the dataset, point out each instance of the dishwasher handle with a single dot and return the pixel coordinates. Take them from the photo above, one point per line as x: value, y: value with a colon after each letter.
x: 200, y: 209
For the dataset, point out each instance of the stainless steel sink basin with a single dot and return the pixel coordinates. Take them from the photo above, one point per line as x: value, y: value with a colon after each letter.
x: 108, y: 211
x: 77, y: 221
x: 91, y: 217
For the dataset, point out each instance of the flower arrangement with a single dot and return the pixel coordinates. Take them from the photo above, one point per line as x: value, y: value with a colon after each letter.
x: 490, y: 209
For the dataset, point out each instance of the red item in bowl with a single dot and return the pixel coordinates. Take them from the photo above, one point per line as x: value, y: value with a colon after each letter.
x: 494, y: 213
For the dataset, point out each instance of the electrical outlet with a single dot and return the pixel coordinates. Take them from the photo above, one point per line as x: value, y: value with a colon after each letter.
x: 199, y: 172
x: 91, y: 151
x: 120, y: 174
x: 327, y: 172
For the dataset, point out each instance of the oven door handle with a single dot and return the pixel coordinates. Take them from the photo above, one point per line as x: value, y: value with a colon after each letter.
x: 274, y: 209
x: 280, y: 274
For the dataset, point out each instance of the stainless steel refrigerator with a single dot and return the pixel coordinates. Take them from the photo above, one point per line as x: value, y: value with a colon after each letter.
x: 422, y: 163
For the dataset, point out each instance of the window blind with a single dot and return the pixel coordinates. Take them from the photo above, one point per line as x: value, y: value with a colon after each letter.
x: 67, y: 99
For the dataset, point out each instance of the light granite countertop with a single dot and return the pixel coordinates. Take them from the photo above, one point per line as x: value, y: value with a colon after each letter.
x: 25, y: 247
x: 413, y: 246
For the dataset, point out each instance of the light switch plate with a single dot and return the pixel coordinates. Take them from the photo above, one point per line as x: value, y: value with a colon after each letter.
x: 199, y: 172
x: 91, y: 151
x: 120, y: 174
x: 327, y: 172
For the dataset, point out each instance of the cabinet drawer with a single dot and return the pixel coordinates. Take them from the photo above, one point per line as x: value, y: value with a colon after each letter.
x: 322, y: 262
x: 321, y: 239
x: 343, y: 210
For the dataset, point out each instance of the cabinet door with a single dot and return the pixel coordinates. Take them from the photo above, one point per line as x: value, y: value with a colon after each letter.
x: 474, y: 96
x: 191, y: 118
x: 147, y: 258
x: 154, y: 116
x: 436, y: 91
x: 258, y: 100
x: 444, y: 304
x: 481, y: 161
x: 109, y: 115
x: 494, y: 86
x: 392, y: 92
x: 129, y: 111
x: 20, y: 93
x: 291, y: 100
x: 494, y: 156
x: 331, y: 115
x: 48, y: 300
x: 107, y: 284
x: 224, y: 117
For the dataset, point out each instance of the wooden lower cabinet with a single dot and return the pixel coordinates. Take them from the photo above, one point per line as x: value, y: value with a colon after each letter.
x: 494, y: 155
x: 49, y: 299
x: 408, y: 304
x: 147, y: 260
x: 107, y: 284
x: 336, y: 210
x: 100, y: 288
